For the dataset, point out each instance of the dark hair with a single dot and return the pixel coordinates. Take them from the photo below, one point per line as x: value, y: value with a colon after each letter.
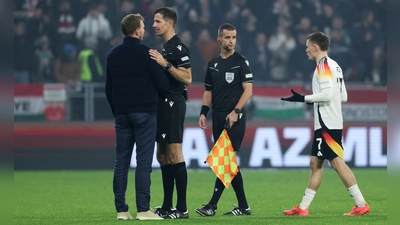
x: 130, y: 23
x: 321, y: 39
x: 168, y: 13
x: 225, y: 26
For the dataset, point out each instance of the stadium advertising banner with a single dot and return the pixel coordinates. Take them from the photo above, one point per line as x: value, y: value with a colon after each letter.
x: 266, y: 145
x: 364, y: 104
x: 265, y: 103
x: 36, y: 101
x: 28, y: 99
x: 288, y: 147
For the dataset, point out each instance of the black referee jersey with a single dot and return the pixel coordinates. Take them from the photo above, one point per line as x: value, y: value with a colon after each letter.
x: 175, y: 52
x: 224, y: 78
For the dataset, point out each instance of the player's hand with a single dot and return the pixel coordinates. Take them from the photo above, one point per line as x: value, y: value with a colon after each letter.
x: 296, y: 97
x: 156, y: 56
x: 202, y: 122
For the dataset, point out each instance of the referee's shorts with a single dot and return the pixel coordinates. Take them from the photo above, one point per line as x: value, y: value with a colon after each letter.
x: 235, y: 133
x: 171, y: 112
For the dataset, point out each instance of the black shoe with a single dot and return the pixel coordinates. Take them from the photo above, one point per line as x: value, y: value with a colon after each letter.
x: 161, y: 212
x: 237, y: 211
x: 207, y: 210
x: 175, y: 214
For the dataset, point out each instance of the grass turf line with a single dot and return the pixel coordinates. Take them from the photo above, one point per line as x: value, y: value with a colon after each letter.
x: 85, y: 197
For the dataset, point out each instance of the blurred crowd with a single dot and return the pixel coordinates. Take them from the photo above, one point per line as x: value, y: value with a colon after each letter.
x: 67, y: 41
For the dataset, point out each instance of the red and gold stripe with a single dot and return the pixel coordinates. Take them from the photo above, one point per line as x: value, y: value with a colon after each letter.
x: 336, y: 147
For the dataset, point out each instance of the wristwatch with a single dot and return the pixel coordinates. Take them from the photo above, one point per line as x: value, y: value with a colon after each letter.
x: 237, y: 111
x: 169, y: 65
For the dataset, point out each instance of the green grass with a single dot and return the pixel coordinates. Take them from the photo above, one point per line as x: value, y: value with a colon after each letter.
x: 85, y: 197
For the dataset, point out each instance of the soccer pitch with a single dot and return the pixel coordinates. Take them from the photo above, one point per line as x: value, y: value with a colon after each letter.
x: 86, y: 197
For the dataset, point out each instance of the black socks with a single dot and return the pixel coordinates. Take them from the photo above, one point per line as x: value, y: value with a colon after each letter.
x: 237, y: 184
x: 168, y: 184
x: 181, y: 179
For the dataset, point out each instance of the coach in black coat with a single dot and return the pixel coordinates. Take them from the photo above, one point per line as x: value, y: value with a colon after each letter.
x: 133, y: 83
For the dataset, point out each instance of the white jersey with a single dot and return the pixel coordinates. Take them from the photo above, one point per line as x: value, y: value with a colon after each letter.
x: 329, y: 91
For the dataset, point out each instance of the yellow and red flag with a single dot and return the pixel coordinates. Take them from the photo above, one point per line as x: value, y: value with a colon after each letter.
x: 222, y: 159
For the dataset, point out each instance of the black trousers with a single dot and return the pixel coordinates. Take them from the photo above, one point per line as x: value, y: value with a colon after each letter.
x: 139, y: 128
x: 235, y: 133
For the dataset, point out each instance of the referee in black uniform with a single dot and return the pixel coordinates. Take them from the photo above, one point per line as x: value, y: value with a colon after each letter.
x: 229, y: 85
x: 174, y: 57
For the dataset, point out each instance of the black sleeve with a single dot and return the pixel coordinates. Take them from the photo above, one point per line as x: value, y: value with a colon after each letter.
x: 108, y: 91
x: 181, y: 56
x: 207, y: 78
x: 245, y: 72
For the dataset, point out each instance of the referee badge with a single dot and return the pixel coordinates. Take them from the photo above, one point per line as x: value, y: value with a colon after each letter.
x: 229, y: 77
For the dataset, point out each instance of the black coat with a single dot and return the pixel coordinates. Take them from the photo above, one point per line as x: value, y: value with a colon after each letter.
x: 133, y: 79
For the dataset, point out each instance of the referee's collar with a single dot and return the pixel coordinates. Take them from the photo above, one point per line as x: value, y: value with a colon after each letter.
x: 220, y: 54
x: 171, y: 38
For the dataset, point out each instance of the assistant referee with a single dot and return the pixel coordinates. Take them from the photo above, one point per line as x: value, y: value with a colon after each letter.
x: 229, y: 84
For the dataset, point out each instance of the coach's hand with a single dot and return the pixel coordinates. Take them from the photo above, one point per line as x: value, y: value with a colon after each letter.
x: 296, y: 97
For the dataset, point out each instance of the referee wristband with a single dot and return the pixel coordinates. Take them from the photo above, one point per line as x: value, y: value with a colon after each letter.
x: 204, y: 110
